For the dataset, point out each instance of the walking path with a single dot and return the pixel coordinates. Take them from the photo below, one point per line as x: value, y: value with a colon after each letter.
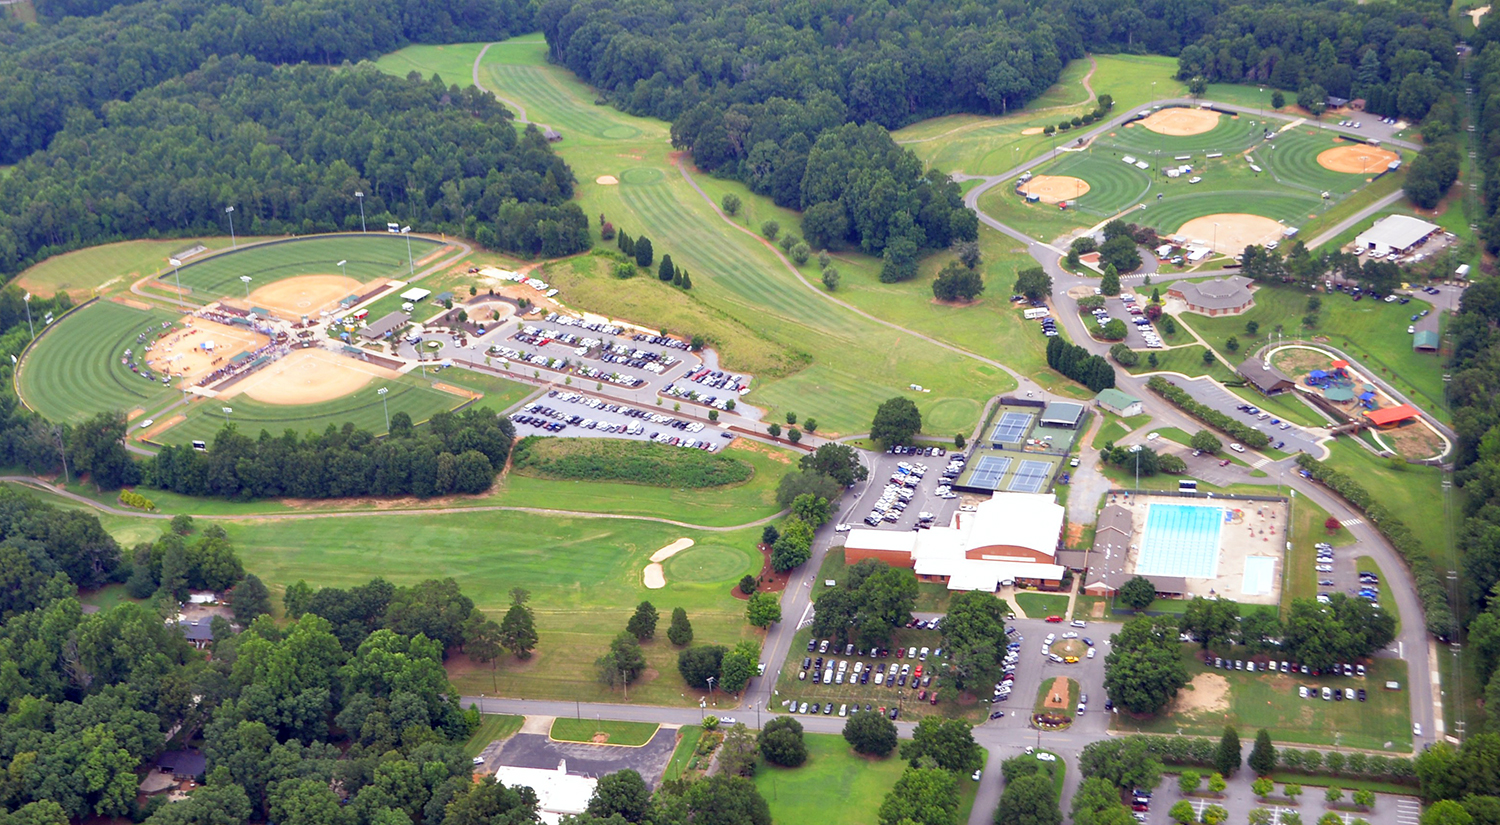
x: 519, y: 109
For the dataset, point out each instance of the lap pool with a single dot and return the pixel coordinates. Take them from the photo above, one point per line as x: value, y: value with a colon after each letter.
x: 1181, y: 540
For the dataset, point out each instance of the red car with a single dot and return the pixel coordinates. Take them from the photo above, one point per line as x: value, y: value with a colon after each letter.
x: 917, y: 674
x: 900, y: 653
x: 1055, y: 619
x: 921, y: 696
x: 933, y: 698
x: 1224, y: 463
x: 1139, y: 807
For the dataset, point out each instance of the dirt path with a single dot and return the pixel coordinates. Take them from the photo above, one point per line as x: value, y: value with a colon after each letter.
x: 474, y: 76
x: 1088, y: 87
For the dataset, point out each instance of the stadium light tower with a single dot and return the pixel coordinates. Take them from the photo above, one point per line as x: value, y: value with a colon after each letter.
x: 381, y: 392
x: 246, y: 279
x: 27, y: 301
x: 406, y: 230
x: 229, y: 210
x: 342, y: 269
x: 361, y: 197
x: 177, y: 272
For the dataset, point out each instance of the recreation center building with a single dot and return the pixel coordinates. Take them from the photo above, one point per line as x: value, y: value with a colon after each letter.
x: 1397, y: 234
x: 1010, y: 537
x: 1219, y: 296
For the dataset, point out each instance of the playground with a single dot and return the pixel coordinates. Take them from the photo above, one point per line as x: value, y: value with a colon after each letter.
x: 1339, y: 385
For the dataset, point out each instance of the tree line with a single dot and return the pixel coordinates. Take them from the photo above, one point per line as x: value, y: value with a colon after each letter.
x: 1396, y: 57
x: 289, y: 147
x: 1485, y: 69
x: 105, y: 51
x: 1075, y: 362
x: 455, y: 453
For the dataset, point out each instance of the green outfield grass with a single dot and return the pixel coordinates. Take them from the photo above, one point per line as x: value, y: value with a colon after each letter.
x: 1230, y: 134
x: 584, y: 576
x: 74, y: 370
x: 491, y: 727
x: 108, y: 268
x: 1270, y: 701
x: 617, y: 732
x: 410, y: 394
x: 1294, y: 161
x: 1113, y: 184
x: 377, y: 255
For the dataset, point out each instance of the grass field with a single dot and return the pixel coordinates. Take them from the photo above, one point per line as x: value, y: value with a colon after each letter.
x: 1372, y: 331
x: 74, y: 370
x: 1041, y: 605
x: 837, y: 786
x: 1270, y: 701
x: 492, y: 726
x: 1187, y: 360
x: 377, y: 255
x: 1294, y: 162
x: 108, y: 268
x: 106, y: 597
x: 1299, y: 577
x: 615, y: 732
x: 688, y: 737
x: 584, y: 576
x: 1230, y: 134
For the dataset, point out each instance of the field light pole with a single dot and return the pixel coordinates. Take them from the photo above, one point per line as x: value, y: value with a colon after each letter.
x: 177, y: 273
x: 1137, y: 450
x: 27, y: 301
x: 406, y: 230
x: 342, y: 270
x: 1216, y: 237
x: 246, y: 279
x: 361, y: 197
x: 381, y: 392
x: 229, y: 210
x: 227, y: 411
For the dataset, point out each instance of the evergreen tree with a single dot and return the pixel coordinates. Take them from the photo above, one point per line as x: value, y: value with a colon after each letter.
x: 666, y: 272
x: 1263, y: 755
x: 643, y: 624
x: 680, y: 632
x: 518, y: 631
x: 643, y: 253
x: 1227, y: 757
x: 1110, y: 283
x: 250, y: 599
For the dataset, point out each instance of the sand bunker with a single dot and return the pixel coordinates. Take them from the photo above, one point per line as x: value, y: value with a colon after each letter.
x: 308, y: 376
x: 653, y: 576
x: 1055, y: 188
x: 183, y: 354
x: 1034, y: 130
x: 1207, y: 692
x: 1235, y: 231
x: 293, y: 298
x: 1179, y: 122
x: 1356, y: 159
x: 606, y: 180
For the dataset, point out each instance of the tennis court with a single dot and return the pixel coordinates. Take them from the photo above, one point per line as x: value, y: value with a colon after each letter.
x: 988, y: 472
x: 1181, y: 540
x: 1030, y: 477
x: 1011, y: 427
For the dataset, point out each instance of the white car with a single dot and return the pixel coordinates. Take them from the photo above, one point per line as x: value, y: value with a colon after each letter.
x: 1195, y: 180
x: 148, y: 422
x: 1047, y: 757
x: 1237, y: 448
x: 975, y: 775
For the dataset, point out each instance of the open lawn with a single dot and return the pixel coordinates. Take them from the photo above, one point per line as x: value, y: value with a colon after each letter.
x: 584, y: 576
x: 688, y: 737
x: 105, y: 597
x: 1265, y: 700
x: 1041, y: 605
x: 1285, y: 406
x: 613, y: 732
x: 1299, y: 574
x: 492, y: 726
x: 1113, y: 428
x: 1413, y: 493
x: 453, y: 62
x: 837, y: 786
x: 108, y: 268
x: 368, y: 257
x: 1187, y: 360
x: 1372, y: 331
x: 73, y: 371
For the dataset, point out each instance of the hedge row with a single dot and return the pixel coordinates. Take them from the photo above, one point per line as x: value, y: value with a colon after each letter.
x: 1425, y: 573
x: 1198, y: 751
x: 638, y: 462
x: 133, y: 499
x: 1244, y: 434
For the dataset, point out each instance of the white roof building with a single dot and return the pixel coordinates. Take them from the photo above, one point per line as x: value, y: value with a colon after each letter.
x: 1395, y: 233
x: 1010, y: 536
x: 558, y: 793
x: 416, y: 293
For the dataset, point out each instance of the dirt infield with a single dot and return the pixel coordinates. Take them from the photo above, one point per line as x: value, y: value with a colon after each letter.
x: 1055, y: 188
x: 1356, y: 159
x: 308, y: 376
x: 303, y: 295
x: 458, y: 391
x: 1179, y: 122
x: 1057, y: 694
x: 1236, y: 230
x: 183, y: 355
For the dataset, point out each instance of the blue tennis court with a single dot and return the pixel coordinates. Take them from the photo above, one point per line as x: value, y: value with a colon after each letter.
x: 1011, y: 427
x: 988, y: 471
x: 1030, y: 477
x: 1181, y: 540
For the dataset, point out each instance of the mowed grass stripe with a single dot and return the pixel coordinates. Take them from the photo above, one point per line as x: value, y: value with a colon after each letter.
x: 74, y: 371
x: 1229, y: 135
x: 1113, y: 184
x: 1176, y: 210
x: 368, y: 257
x: 531, y: 87
x: 1295, y: 161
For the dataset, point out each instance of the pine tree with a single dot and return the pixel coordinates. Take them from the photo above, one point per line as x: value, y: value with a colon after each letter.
x: 666, y: 272
x: 643, y: 624
x: 687, y: 283
x: 1263, y: 755
x: 1227, y: 757
x: 680, y: 632
x: 518, y: 631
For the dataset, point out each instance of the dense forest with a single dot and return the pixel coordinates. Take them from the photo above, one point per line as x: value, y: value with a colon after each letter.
x: 1485, y: 72
x: 454, y: 453
x: 87, y: 62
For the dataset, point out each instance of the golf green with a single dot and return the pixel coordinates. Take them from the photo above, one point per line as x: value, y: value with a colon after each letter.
x: 707, y: 563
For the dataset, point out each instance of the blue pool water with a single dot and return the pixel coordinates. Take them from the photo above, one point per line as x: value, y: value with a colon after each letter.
x: 1181, y: 540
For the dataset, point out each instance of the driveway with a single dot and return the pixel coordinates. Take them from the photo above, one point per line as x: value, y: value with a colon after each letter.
x: 536, y: 750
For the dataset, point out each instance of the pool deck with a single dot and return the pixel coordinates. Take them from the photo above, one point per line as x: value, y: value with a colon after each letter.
x: 1259, y: 530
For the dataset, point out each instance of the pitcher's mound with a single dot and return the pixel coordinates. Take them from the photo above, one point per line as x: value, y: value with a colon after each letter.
x: 1356, y: 159
x: 1235, y: 231
x: 1055, y: 188
x: 606, y: 180
x: 1179, y: 122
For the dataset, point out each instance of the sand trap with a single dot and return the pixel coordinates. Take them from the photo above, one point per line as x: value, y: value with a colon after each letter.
x: 1034, y: 130
x: 606, y: 180
x: 671, y: 550
x: 293, y: 298
x: 308, y: 376
x: 1207, y: 692
x: 1055, y: 188
x: 1477, y: 14
x: 653, y: 577
x: 1179, y: 122
x: 1235, y: 231
x: 1356, y: 159
x: 181, y: 353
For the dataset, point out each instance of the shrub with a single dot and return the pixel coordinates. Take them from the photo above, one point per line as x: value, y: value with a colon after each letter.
x: 1124, y: 355
x: 770, y: 229
x: 639, y: 462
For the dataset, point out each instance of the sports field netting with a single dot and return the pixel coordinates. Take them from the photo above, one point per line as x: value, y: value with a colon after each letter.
x: 988, y: 472
x: 1030, y: 477
x: 1011, y: 427
x: 1181, y: 540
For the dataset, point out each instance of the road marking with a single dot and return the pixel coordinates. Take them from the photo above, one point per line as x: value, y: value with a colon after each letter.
x: 1352, y: 522
x: 807, y: 616
x: 1261, y: 462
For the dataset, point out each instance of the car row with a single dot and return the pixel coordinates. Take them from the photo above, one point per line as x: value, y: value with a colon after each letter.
x: 1328, y: 694
x: 1008, y: 673
x: 719, y: 380
x: 591, y: 326
x: 561, y: 364
x: 1273, y: 666
x: 904, y: 450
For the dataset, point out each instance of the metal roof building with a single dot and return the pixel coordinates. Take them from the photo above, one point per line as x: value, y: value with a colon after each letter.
x: 384, y: 326
x: 1061, y: 414
x: 1395, y: 233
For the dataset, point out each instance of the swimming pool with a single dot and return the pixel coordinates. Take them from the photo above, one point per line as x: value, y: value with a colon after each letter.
x: 1181, y: 540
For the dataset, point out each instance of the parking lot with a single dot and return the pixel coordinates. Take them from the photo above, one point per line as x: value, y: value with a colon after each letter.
x: 822, y: 677
x: 1293, y: 439
x: 923, y: 498
x: 571, y: 414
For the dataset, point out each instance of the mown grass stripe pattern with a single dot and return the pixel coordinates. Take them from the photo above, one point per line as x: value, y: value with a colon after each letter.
x: 74, y: 371
x: 368, y: 257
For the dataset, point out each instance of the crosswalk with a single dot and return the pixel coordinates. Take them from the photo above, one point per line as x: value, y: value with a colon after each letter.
x: 1351, y: 522
x: 1260, y: 462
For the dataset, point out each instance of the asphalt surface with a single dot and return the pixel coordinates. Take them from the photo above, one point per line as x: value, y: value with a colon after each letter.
x: 534, y: 750
x: 589, y: 415
x: 925, y: 499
